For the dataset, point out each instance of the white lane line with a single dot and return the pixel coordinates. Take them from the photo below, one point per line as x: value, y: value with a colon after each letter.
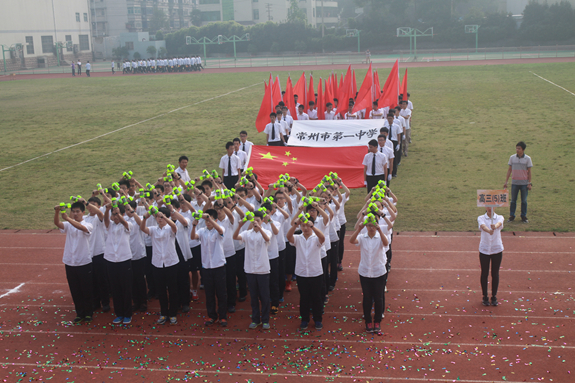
x: 550, y: 82
x: 14, y: 290
x: 293, y: 375
x: 129, y: 126
x: 429, y: 343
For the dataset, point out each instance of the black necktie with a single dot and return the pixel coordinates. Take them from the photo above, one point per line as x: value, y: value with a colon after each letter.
x: 273, y: 131
x: 381, y: 150
x: 390, y: 125
x: 373, y: 165
x: 229, y: 166
x: 244, y: 149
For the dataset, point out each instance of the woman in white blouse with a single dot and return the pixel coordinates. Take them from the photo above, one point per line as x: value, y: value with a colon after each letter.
x: 490, y: 251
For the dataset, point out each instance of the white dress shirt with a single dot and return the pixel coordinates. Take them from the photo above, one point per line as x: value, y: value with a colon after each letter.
x: 329, y: 115
x: 97, y: 239
x: 235, y: 162
x: 118, y: 243
x: 212, y: 248
x: 308, y: 256
x: 273, y: 251
x: 312, y: 114
x: 278, y: 129
x: 183, y: 237
x: 245, y: 146
x: 163, y: 246
x: 77, y: 247
x: 256, y: 259
x: 490, y: 244
x: 373, y: 258
x: 376, y: 114
x: 183, y: 173
x: 387, y: 150
x: 137, y: 245
x: 302, y: 116
x: 380, y: 163
x: 243, y: 156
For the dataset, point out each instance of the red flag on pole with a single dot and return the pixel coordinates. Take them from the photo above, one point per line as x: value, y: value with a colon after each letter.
x: 288, y: 99
x: 334, y: 85
x: 266, y: 108
x: 300, y: 90
x: 344, y: 93
x: 404, y: 86
x: 376, y: 87
x: 353, y: 85
x: 276, y: 92
x: 363, y: 100
x: 308, y: 165
x: 320, y: 102
x: 390, y: 90
x: 328, y: 95
x: 310, y: 93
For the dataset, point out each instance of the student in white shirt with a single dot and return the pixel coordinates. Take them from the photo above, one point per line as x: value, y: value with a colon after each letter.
x: 312, y: 111
x: 386, y: 147
x: 257, y: 268
x: 101, y: 292
x: 308, y: 270
x: 181, y: 170
x: 342, y: 219
x: 372, y: 272
x: 79, y: 65
x: 77, y: 258
x: 119, y: 262
x: 139, y: 261
x: 350, y: 115
x: 274, y: 226
x: 230, y: 166
x: 490, y: 251
x: 376, y: 113
x: 395, y: 136
x: 165, y: 262
x: 213, y: 262
x: 287, y: 121
x: 198, y: 203
x: 329, y: 113
x: 245, y: 145
x: 274, y: 132
x: 243, y: 156
x: 300, y: 114
x: 282, y: 215
x: 374, y: 166
x: 179, y: 210
x: 405, y: 112
x: 88, y: 68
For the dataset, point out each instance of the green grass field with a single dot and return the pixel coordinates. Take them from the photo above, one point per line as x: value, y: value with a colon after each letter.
x: 467, y: 121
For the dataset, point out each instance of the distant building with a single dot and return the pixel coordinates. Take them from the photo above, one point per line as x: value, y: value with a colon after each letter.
x: 33, y: 29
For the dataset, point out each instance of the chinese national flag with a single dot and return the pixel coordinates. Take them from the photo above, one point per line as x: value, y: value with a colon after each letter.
x: 307, y: 164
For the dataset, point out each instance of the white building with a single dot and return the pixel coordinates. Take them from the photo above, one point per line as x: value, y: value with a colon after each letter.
x: 33, y: 28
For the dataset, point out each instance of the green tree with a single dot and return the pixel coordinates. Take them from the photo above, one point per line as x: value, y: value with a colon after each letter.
x: 151, y: 51
x: 162, y: 52
x: 157, y: 21
x: 137, y: 55
x: 296, y: 15
x: 196, y: 17
x: 120, y: 53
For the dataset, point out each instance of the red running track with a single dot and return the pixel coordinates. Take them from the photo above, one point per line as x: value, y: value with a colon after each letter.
x: 435, y: 326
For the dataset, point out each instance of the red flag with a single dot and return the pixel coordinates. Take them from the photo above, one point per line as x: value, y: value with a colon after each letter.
x: 310, y: 93
x: 363, y: 100
x: 344, y: 93
x: 276, y: 92
x: 377, y: 87
x: 328, y: 96
x: 334, y: 85
x: 404, y: 86
x: 320, y: 102
x: 289, y: 99
x: 300, y: 90
x: 353, y: 85
x: 266, y: 108
x: 390, y: 91
x: 308, y: 165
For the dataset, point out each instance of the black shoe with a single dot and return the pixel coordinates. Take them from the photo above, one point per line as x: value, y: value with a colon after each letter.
x: 339, y: 267
x: 241, y: 299
x: 524, y: 219
x: 77, y: 320
x: 511, y: 219
x: 494, y: 301
x: 331, y: 288
x: 88, y: 319
x: 485, y: 301
x: 232, y: 309
x: 185, y: 308
x: 106, y: 308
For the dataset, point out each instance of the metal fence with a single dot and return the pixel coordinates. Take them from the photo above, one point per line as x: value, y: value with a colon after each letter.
x: 422, y: 55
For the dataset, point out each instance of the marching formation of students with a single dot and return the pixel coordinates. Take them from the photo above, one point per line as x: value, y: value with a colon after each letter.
x: 224, y: 232
x: 175, y: 64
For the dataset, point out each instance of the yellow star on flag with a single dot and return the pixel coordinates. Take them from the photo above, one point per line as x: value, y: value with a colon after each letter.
x: 288, y: 154
x: 294, y: 159
x: 267, y: 156
x: 285, y: 164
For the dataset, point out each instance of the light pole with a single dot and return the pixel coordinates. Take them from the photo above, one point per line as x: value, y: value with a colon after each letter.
x: 473, y: 29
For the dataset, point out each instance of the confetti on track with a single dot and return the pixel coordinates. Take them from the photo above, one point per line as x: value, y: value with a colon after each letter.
x: 435, y: 326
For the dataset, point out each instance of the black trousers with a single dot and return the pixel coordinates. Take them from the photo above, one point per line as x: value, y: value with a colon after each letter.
x: 373, y: 296
x: 282, y: 273
x: 215, y: 286
x: 231, y: 290
x: 325, y: 276
x: 183, y: 278
x: 167, y: 283
x: 485, y: 260
x: 310, y: 297
x: 120, y: 274
x: 373, y: 180
x: 290, y: 259
x: 259, y: 285
x: 139, y: 282
x: 340, y: 248
x: 101, y: 288
x: 88, y: 72
x: 332, y: 261
x: 397, y: 159
x: 276, y: 143
x: 273, y: 286
x: 196, y: 261
x: 230, y: 181
x: 80, y: 284
x: 150, y: 279
x: 241, y: 272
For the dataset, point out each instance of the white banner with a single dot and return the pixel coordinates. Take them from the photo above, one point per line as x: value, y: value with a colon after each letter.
x: 319, y: 133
